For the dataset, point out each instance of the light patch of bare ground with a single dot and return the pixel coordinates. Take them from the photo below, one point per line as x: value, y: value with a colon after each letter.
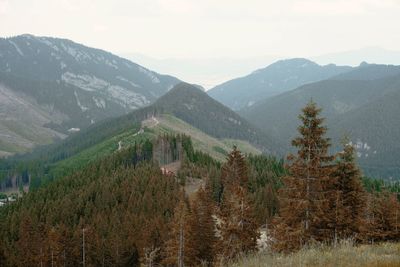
x: 192, y: 185
x: 4, y: 154
x: 172, y: 167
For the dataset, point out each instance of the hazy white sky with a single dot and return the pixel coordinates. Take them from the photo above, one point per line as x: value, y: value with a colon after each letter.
x: 210, y: 28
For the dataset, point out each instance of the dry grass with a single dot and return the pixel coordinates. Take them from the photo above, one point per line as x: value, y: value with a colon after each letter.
x: 346, y: 254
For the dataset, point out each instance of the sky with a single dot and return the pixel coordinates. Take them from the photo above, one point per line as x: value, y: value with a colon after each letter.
x: 210, y: 30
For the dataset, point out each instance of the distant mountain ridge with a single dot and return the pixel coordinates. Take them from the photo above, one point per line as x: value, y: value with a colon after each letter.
x: 66, y: 85
x: 369, y: 72
x: 371, y: 54
x: 279, y: 77
x: 359, y: 104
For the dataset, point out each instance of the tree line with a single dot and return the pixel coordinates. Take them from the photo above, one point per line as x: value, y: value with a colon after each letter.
x: 323, y: 199
x: 123, y: 211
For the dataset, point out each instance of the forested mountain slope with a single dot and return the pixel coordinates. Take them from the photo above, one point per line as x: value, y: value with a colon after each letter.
x: 111, y: 201
x: 118, y: 210
x: 106, y: 199
x: 185, y: 109
x: 375, y: 130
x: 65, y: 86
x: 279, y: 77
x: 369, y: 72
x: 362, y: 109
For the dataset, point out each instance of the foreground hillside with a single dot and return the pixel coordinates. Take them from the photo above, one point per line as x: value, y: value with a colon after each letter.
x: 124, y: 205
x: 112, y: 200
x: 345, y: 255
x: 130, y: 208
x: 50, y: 85
x: 127, y: 212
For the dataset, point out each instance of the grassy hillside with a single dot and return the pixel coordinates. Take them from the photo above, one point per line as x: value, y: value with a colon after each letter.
x: 346, y: 255
x: 149, y: 129
x: 98, y: 151
x: 217, y: 148
x: 165, y: 124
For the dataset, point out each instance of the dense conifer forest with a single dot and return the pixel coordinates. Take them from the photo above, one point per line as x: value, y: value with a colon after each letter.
x: 129, y: 208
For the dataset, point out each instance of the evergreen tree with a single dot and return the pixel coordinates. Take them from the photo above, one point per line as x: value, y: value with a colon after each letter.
x: 377, y: 225
x: 54, y: 241
x: 28, y: 243
x: 266, y: 204
x: 264, y: 182
x: 237, y: 226
x: 2, y: 255
x: 304, y: 209
x: 382, y: 217
x: 179, y: 247
x: 203, y: 227
x: 349, y: 196
x: 235, y: 171
x: 393, y: 215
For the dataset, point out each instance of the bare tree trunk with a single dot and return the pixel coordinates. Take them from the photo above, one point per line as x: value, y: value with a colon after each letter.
x: 83, y: 248
x: 308, y: 187
x: 149, y: 256
x: 181, y: 251
x: 336, y: 218
x: 41, y: 257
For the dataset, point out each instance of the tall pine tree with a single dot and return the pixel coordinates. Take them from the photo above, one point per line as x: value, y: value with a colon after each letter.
x: 349, y: 194
x: 304, y: 210
x: 179, y: 247
x: 237, y: 226
x: 203, y: 227
x: 235, y: 172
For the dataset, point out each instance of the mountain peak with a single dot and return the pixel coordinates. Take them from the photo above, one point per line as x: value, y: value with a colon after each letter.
x: 26, y: 35
x: 294, y: 62
x: 183, y: 87
x: 274, y: 79
x: 187, y: 102
x: 182, y: 94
